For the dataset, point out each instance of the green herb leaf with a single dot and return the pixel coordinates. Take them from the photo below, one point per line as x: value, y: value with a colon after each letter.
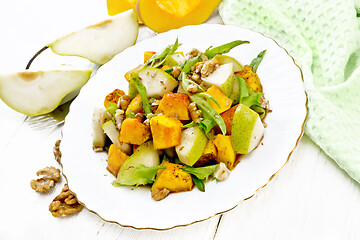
x: 244, y: 89
x: 209, y: 97
x: 142, y: 175
x: 112, y: 108
x: 142, y: 90
x: 190, y: 125
x: 131, y: 114
x: 159, y: 58
x: 201, y: 172
x: 198, y: 183
x: 256, y: 62
x: 210, y: 117
x: 261, y: 111
x: 252, y: 100
x: 188, y: 65
x: 187, y: 82
x: 212, y: 52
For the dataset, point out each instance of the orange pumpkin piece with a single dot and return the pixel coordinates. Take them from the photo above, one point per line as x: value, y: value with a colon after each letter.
x: 148, y: 55
x: 113, y: 97
x: 224, y: 101
x: 135, y: 105
x: 115, y: 159
x: 163, y: 15
x: 134, y: 132
x: 175, y: 104
x: 172, y: 179
x: 166, y: 131
x: 251, y: 78
x: 228, y: 116
x: 226, y: 153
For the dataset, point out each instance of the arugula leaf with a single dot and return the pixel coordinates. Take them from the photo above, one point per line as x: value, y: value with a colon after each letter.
x: 159, y: 58
x: 198, y: 183
x: 212, y: 52
x: 209, y: 97
x: 244, y: 89
x: 210, y: 117
x: 190, y: 125
x: 112, y: 108
x: 142, y: 90
x: 131, y: 114
x: 201, y: 172
x: 252, y: 100
x: 256, y: 61
x: 147, y: 173
x: 142, y: 175
x: 187, y: 82
x: 261, y: 111
x: 188, y: 65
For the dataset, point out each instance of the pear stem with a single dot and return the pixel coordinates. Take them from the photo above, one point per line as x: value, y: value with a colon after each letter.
x: 35, y: 56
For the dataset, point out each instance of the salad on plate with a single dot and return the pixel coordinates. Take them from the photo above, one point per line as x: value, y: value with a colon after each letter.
x: 186, y: 119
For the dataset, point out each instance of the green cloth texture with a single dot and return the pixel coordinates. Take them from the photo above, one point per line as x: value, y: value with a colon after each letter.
x: 323, y: 36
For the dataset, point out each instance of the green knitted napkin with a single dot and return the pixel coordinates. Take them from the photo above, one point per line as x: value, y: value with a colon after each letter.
x: 324, y: 38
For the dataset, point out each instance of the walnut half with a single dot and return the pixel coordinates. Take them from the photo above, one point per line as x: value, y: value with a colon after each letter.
x: 50, y: 175
x: 65, y: 203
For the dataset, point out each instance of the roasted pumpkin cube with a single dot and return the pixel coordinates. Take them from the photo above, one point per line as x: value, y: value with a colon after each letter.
x: 148, y: 55
x: 226, y: 153
x: 135, y: 105
x: 133, y: 132
x: 115, y: 159
x: 113, y: 97
x: 223, y: 100
x: 228, y: 116
x: 165, y: 67
x: 166, y: 131
x: 170, y: 179
x: 209, y: 155
x: 251, y: 78
x: 175, y: 104
x: 128, y: 74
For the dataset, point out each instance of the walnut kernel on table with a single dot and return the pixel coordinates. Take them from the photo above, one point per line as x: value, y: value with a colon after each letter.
x: 65, y: 203
x: 51, y: 175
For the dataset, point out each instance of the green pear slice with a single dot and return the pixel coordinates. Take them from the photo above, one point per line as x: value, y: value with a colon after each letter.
x: 146, y: 155
x: 247, y: 130
x: 35, y: 93
x: 174, y: 60
x: 223, y: 59
x: 223, y: 78
x: 157, y: 82
x: 99, y: 43
x: 192, y: 145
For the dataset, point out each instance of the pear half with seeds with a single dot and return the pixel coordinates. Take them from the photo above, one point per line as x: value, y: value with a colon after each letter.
x: 35, y: 93
x: 99, y: 43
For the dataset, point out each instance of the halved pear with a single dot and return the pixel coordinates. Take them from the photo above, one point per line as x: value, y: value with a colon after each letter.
x: 99, y: 43
x: 223, y: 78
x: 40, y: 92
x: 224, y: 59
x: 157, y: 82
x: 247, y: 130
x: 192, y: 145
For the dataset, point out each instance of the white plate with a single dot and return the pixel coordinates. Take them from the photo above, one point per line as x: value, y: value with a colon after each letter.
x: 130, y: 206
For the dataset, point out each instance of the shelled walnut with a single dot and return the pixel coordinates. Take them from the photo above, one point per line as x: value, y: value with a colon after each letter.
x: 65, y: 203
x: 51, y: 175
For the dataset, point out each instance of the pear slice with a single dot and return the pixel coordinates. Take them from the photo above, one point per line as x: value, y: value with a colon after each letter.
x: 223, y: 78
x: 40, y: 92
x: 247, y: 130
x: 99, y: 43
x: 157, y: 82
x: 146, y: 155
x: 224, y: 59
x: 192, y: 145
